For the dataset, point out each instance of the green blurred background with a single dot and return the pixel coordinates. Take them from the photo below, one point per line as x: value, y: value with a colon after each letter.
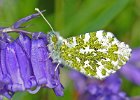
x: 73, y: 17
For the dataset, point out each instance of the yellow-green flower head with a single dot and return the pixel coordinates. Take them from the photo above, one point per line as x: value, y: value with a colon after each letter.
x: 95, y: 54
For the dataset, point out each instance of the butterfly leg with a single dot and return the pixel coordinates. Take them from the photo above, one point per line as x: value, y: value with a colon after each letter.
x: 56, y: 67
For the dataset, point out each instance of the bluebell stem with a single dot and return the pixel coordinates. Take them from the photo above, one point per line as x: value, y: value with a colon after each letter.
x: 23, y: 20
x: 25, y: 62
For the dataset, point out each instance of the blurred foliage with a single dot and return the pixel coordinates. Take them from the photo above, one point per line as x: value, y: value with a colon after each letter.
x: 73, y: 17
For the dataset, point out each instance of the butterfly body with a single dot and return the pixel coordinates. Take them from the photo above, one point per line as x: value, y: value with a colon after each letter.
x: 96, y: 54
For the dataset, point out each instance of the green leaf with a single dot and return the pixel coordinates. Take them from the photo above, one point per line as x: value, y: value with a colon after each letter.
x: 106, y: 16
x: 92, y: 15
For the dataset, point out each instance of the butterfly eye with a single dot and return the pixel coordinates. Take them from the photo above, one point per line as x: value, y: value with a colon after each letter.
x: 54, y: 39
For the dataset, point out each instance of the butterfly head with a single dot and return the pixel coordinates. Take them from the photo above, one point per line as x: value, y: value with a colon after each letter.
x: 55, y: 42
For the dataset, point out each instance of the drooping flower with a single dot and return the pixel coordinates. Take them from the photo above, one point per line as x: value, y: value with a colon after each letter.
x: 93, y: 89
x: 131, y: 70
x: 25, y: 62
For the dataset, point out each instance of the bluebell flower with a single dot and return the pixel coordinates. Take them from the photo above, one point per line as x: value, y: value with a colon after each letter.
x: 131, y: 70
x: 93, y: 89
x: 25, y: 62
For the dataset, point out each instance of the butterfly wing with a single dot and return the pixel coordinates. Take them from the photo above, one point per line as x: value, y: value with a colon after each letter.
x: 96, y: 54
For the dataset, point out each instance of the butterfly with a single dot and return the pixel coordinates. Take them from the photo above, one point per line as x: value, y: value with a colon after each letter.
x: 95, y: 54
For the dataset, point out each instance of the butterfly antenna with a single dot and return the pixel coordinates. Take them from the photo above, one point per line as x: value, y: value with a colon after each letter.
x: 44, y: 19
